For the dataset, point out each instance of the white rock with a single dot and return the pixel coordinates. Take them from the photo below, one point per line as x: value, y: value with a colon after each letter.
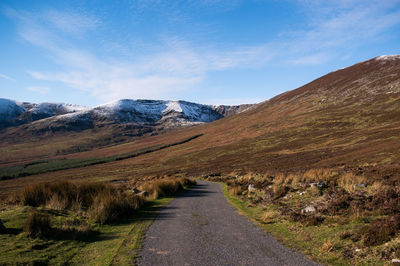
x: 395, y: 261
x: 309, y: 209
x: 251, y: 188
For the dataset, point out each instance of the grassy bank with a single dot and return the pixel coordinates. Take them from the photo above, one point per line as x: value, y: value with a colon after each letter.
x: 341, y: 230
x: 69, y: 235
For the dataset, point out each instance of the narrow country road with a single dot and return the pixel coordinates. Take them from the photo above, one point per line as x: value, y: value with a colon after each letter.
x: 202, y: 228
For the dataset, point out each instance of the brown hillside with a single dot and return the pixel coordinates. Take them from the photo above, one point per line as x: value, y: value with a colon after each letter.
x: 349, y: 118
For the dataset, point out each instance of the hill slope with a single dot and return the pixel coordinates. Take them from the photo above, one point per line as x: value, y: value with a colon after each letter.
x: 41, y: 131
x: 349, y: 118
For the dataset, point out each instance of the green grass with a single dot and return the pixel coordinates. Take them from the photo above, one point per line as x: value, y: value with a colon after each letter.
x: 117, y: 243
x: 44, y: 166
x: 309, y: 240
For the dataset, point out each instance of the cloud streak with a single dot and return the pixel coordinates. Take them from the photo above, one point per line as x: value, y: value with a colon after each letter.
x: 6, y: 77
x: 176, y: 64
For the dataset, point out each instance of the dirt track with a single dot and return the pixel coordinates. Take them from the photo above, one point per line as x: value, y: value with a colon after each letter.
x: 202, y: 228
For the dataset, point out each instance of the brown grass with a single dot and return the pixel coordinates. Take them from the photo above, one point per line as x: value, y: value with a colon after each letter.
x: 166, y: 187
x: 112, y: 205
x: 62, y: 194
x: 103, y: 202
x: 37, y: 224
x: 328, y: 246
x: 236, y: 190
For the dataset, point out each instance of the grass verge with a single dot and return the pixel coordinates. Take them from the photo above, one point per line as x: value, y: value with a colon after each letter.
x: 325, y: 243
x: 108, y: 244
x: 44, y: 235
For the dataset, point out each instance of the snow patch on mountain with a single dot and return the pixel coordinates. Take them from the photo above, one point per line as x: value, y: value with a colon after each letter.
x: 9, y: 109
x: 52, y: 109
x: 387, y: 57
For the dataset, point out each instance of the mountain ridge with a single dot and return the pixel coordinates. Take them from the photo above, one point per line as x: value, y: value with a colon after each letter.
x: 141, y: 111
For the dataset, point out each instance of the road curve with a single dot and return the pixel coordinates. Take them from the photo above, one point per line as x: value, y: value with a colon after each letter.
x: 202, y: 228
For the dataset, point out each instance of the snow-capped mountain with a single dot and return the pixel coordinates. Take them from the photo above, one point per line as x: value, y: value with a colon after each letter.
x: 14, y: 113
x: 9, y: 110
x: 167, y: 114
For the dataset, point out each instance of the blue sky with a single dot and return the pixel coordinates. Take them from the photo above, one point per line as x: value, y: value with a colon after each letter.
x: 214, y: 52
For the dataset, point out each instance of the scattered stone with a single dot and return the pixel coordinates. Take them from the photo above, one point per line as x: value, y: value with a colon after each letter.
x: 2, y: 227
x: 309, y: 210
x: 357, y: 250
x: 251, y: 188
x: 396, y: 262
x: 320, y: 185
x: 360, y: 185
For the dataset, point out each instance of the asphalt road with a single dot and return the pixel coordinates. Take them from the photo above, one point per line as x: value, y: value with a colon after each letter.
x: 202, y: 228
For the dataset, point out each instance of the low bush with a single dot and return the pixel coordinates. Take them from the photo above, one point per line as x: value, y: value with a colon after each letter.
x: 37, y: 224
x: 380, y: 231
x: 387, y: 201
x: 337, y: 201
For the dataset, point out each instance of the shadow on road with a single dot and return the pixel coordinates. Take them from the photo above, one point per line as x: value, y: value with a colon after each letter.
x: 198, y: 190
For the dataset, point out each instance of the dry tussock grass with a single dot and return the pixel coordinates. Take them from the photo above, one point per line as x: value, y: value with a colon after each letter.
x: 328, y: 246
x: 166, y: 187
x: 269, y: 216
x: 37, y: 224
x: 112, y: 205
x: 347, y: 181
x: 236, y: 190
x: 103, y: 202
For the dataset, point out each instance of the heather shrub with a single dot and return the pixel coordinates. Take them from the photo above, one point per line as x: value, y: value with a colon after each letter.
x: 380, y: 231
x: 387, y: 201
x: 337, y: 201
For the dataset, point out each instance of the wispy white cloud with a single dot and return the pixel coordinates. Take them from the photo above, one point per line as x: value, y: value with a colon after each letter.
x: 175, y: 64
x: 38, y: 89
x: 71, y: 22
x: 335, y: 27
x: 6, y: 77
